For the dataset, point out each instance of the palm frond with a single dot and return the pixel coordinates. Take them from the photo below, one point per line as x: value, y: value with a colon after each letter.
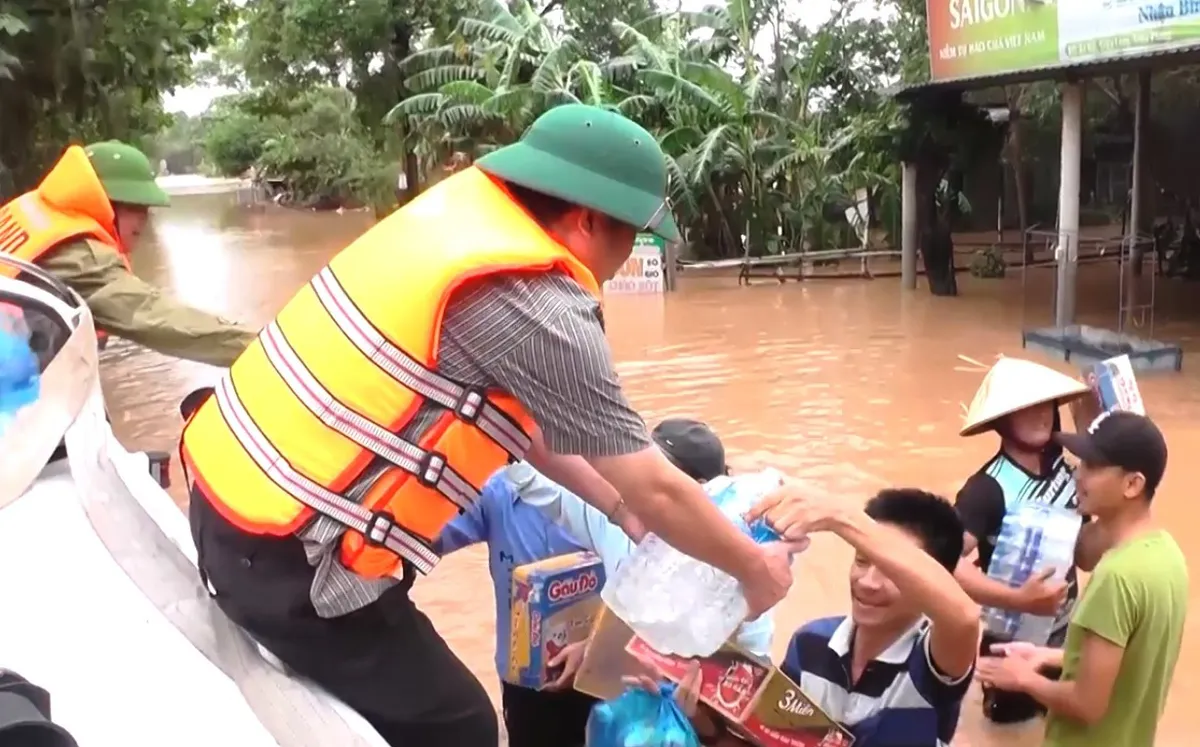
x: 711, y: 150
x: 420, y: 105
x: 435, y: 78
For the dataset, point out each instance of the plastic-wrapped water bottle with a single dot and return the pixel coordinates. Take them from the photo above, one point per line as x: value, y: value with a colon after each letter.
x: 19, y: 376
x: 1032, y: 538
x: 676, y: 603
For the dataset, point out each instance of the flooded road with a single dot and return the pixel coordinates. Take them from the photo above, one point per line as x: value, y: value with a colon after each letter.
x: 848, y: 383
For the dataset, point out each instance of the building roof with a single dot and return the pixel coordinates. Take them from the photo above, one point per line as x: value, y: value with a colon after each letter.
x: 1153, y: 60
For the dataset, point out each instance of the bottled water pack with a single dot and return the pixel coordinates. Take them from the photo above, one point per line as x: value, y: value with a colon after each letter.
x: 676, y: 603
x: 1032, y: 538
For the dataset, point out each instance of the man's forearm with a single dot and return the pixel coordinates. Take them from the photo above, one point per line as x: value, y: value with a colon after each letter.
x: 985, y: 590
x: 690, y: 523
x: 576, y: 475
x: 664, y: 500
x: 914, y: 572
x: 675, y: 507
x: 143, y: 314
x: 1062, y: 697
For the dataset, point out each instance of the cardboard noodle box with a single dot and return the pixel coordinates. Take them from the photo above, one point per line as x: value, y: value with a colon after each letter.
x: 606, y: 661
x: 554, y: 603
x: 758, y: 701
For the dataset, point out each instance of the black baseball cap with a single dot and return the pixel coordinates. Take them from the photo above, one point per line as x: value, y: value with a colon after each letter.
x: 1122, y: 439
x: 692, y: 447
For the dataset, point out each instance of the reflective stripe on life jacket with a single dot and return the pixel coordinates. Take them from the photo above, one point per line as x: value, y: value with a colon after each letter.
x: 309, y: 419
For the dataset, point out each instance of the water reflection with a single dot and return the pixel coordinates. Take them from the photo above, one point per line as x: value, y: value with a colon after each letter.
x: 850, y: 384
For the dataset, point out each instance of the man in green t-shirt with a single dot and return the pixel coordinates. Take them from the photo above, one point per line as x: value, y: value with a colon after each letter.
x: 1124, y: 638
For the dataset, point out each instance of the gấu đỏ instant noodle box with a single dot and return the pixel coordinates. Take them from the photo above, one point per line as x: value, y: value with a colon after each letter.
x: 554, y: 604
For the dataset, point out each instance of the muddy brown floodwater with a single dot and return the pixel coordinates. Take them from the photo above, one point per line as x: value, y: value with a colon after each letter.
x: 848, y: 383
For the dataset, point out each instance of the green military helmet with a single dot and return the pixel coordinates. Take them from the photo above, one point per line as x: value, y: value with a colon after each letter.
x: 126, y: 174
x: 594, y: 158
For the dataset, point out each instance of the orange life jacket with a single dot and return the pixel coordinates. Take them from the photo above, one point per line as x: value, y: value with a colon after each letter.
x: 328, y: 385
x: 69, y: 204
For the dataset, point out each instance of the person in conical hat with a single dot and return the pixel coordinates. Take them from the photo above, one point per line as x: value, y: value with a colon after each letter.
x: 1019, y: 401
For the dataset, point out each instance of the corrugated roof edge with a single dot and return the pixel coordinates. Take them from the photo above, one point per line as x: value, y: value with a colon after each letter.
x: 1158, y: 59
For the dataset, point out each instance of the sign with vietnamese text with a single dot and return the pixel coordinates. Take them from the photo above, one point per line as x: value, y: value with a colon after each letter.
x: 643, y: 271
x: 971, y: 38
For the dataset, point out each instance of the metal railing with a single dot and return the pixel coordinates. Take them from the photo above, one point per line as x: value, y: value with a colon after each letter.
x: 774, y: 266
x: 1126, y: 251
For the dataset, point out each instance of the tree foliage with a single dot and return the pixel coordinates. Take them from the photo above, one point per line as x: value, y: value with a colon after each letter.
x: 82, y: 71
x: 757, y: 152
x: 313, y: 142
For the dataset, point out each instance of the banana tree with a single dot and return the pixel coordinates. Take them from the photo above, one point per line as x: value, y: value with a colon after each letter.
x: 715, y: 127
x: 491, y: 81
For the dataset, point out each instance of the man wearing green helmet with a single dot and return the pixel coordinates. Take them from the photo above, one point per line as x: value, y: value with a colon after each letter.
x: 460, y: 332
x: 81, y: 223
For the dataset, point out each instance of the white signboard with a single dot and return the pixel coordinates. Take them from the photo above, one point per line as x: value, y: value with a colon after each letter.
x: 643, y: 271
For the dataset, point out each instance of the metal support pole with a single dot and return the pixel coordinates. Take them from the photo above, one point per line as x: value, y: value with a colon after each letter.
x: 1141, y: 117
x: 1131, y: 265
x: 1067, y: 252
x: 670, y: 268
x: 908, y: 226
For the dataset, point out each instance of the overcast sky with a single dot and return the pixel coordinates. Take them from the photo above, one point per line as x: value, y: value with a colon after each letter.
x: 193, y: 100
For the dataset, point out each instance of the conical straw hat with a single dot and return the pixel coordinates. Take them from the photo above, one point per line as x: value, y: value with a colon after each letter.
x: 1014, y: 384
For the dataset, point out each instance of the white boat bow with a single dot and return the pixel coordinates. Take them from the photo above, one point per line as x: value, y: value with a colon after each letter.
x: 102, y: 603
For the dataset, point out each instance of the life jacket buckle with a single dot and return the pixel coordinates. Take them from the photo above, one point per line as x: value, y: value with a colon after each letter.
x: 379, y: 528
x: 469, y: 405
x: 431, y: 468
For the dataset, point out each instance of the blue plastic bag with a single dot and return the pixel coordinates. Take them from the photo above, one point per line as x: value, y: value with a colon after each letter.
x: 19, y: 375
x: 639, y: 718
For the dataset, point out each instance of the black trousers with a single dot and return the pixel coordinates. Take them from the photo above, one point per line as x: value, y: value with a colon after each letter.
x: 385, y: 660
x: 545, y: 718
x: 1007, y: 707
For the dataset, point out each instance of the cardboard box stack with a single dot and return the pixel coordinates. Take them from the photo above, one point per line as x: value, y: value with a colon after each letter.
x: 756, y: 699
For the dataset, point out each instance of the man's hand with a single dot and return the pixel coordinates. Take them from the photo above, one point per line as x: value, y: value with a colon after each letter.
x: 675, y: 507
x: 1037, y: 656
x: 1041, y: 595
x: 795, y: 511
x: 569, y: 659
x: 687, y: 693
x: 1006, y: 672
x: 1085, y: 409
x: 707, y: 723
x: 766, y: 589
x: 628, y: 522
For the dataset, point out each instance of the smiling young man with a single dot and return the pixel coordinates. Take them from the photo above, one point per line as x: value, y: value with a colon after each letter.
x: 893, y: 672
x: 1124, y: 638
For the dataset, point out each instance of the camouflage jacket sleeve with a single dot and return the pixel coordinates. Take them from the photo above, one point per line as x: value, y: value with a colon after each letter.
x: 127, y: 306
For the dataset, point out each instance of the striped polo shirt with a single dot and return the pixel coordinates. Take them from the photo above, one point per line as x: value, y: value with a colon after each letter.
x: 901, y: 700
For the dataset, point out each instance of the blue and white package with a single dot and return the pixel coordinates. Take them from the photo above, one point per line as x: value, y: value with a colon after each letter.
x: 1114, y: 381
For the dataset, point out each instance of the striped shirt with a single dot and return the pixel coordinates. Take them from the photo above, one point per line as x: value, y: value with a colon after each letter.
x: 539, y: 337
x: 1002, y: 486
x: 901, y: 700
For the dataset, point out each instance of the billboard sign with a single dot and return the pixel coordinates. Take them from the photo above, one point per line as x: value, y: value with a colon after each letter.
x: 971, y: 38
x: 643, y: 271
